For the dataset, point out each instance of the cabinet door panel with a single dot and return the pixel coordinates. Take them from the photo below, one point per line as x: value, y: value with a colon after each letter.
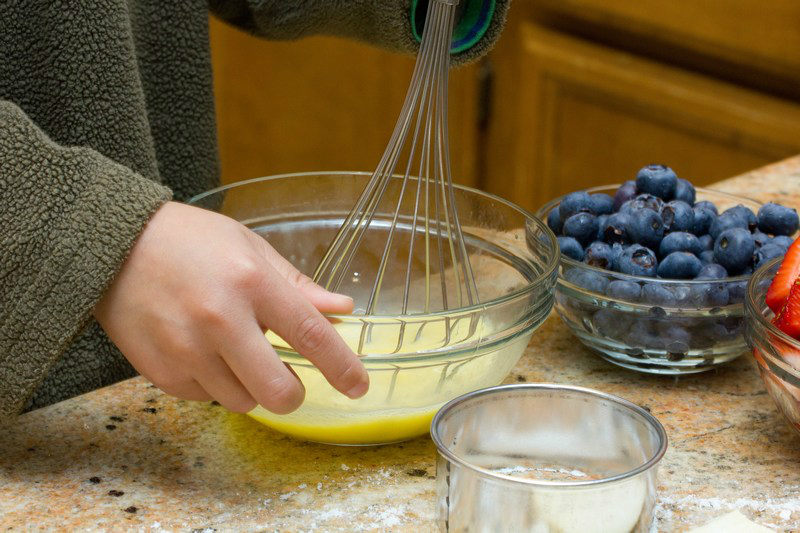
x: 586, y: 115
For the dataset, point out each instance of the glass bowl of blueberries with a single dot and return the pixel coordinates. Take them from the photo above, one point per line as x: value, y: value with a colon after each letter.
x: 654, y: 272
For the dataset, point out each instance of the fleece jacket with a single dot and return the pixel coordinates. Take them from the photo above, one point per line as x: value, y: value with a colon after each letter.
x: 106, y: 113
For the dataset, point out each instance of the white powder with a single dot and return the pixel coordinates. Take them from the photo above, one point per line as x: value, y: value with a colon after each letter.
x: 784, y: 508
x: 302, y: 486
x: 319, y: 486
x: 345, y: 467
x: 286, y: 496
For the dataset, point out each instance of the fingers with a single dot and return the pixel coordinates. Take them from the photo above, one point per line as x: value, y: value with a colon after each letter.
x: 281, y: 308
x: 256, y: 365
x: 324, y: 301
x: 218, y: 380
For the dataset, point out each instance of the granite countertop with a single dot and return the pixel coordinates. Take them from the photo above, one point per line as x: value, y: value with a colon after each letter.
x: 130, y: 457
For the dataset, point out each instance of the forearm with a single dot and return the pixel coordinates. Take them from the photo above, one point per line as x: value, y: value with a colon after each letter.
x: 69, y: 216
x: 385, y: 23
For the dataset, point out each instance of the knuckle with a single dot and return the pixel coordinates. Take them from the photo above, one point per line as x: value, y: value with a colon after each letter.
x: 349, y: 375
x: 283, y: 396
x: 210, y: 313
x: 309, y: 335
x: 246, y: 274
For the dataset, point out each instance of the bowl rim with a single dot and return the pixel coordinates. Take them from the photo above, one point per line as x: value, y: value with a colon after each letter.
x: 752, y: 305
x: 542, y: 212
x: 549, y: 267
x: 649, y: 419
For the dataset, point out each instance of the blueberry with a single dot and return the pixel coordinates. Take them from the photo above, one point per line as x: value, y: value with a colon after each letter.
x: 599, y: 254
x: 679, y: 265
x: 703, y: 218
x: 646, y: 228
x: 643, y: 201
x: 682, y: 294
x: 571, y: 248
x: 591, y: 281
x: 674, y: 334
x: 624, y: 290
x: 576, y: 202
x: 708, y: 205
x: 767, y: 252
x: 677, y: 216
x: 777, y: 219
x: 611, y: 323
x: 712, y: 271
x: 617, y: 250
x: 746, y: 214
x: 760, y: 238
x: 680, y: 241
x: 638, y: 261
x: 657, y: 294
x: 706, y: 257
x: 640, y: 334
x: 625, y: 192
x: 582, y: 227
x: 617, y: 228
x: 601, y: 225
x: 734, y: 249
x: 706, y: 242
x: 602, y: 204
x: 658, y: 180
x: 684, y: 191
x: 554, y: 221
x: 709, y: 294
x: 726, y: 221
x: 782, y: 241
x: 736, y: 291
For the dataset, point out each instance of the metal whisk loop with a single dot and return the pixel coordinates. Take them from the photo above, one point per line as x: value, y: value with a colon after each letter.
x: 425, y: 201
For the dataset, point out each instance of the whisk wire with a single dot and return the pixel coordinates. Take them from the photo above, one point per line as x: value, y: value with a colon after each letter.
x: 422, y: 131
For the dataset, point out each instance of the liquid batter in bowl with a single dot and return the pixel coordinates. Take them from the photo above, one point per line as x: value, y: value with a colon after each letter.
x: 403, y: 396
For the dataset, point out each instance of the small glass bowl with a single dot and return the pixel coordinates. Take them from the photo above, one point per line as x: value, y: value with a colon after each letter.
x: 777, y: 354
x: 645, y: 334
x: 444, y: 354
x: 542, y: 457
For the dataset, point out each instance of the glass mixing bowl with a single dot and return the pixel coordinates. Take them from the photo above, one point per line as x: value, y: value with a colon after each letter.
x: 442, y: 355
x: 694, y: 332
x: 777, y: 354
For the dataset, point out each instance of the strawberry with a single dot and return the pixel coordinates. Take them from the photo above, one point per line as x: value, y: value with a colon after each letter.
x: 788, y: 272
x: 788, y: 319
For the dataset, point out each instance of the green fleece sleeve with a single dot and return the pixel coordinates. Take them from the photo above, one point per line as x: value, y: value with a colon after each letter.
x: 68, y: 218
x: 386, y: 23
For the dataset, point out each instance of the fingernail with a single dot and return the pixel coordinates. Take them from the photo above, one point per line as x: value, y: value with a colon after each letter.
x: 358, y: 391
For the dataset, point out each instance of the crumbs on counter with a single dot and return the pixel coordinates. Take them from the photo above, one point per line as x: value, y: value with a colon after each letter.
x: 111, y: 427
x: 132, y: 509
x: 116, y: 418
x: 115, y: 493
x: 521, y: 379
x: 417, y: 472
x: 151, y: 410
x: 95, y: 480
x: 151, y: 400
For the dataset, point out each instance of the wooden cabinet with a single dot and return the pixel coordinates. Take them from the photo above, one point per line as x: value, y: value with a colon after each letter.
x: 575, y: 114
x: 577, y: 93
x: 320, y: 104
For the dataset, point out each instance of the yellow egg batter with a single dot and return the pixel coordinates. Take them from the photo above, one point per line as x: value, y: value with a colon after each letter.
x: 403, y: 396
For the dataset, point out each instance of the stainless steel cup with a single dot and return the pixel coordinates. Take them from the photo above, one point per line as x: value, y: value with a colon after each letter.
x: 546, y: 458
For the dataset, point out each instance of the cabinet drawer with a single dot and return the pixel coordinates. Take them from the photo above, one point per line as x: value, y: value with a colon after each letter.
x: 581, y: 115
x: 739, y: 39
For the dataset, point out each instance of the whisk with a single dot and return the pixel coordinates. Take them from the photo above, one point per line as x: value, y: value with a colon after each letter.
x: 416, y: 193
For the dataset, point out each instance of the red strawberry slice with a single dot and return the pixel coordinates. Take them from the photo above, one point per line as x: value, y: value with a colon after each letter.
x: 788, y: 272
x: 788, y: 319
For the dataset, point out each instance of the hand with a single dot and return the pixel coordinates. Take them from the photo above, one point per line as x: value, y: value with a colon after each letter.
x: 191, y: 303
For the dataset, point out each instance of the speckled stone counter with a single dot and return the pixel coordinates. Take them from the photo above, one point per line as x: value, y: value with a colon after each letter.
x: 129, y: 457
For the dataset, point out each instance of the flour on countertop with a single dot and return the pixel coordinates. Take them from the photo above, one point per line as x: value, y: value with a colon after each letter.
x: 784, y: 509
